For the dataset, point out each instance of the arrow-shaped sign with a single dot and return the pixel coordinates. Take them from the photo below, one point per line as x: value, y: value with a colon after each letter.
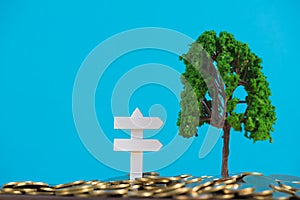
x: 137, y: 123
x: 136, y: 145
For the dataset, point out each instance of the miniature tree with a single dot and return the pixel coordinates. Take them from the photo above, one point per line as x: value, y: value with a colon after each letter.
x: 238, y: 67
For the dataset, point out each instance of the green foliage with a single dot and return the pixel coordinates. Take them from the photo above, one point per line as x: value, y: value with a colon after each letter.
x: 189, y: 113
x: 238, y: 67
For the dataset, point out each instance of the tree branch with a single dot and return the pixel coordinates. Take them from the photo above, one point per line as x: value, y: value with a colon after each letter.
x: 243, y: 83
x: 246, y: 70
x: 206, y: 107
x: 237, y: 68
x: 246, y: 111
x: 205, y: 119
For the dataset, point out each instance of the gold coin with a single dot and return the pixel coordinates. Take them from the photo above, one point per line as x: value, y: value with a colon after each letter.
x: 10, y: 184
x: 135, y: 187
x: 116, y: 192
x: 193, y: 180
x: 212, y: 188
x: 188, y: 178
x: 216, y: 178
x: 142, y: 180
x: 197, y: 188
x: 140, y: 193
x: 130, y: 182
x: 114, y: 182
x: 223, y: 196
x: 281, y: 189
x: 40, y: 193
x: 114, y: 187
x: 151, y: 187
x: 282, y: 177
x: 15, y: 192
x: 145, y: 181
x: 290, y: 186
x: 230, y: 191
x: 232, y: 186
x: 196, y: 185
x: 183, y: 176
x: 30, y: 184
x: 93, y: 182
x: 174, y: 178
x: 82, y: 195
x: 46, y: 189
x: 40, y: 184
x: 7, y: 189
x: 10, y: 191
x: 204, y: 183
x: 171, y: 193
x: 82, y: 191
x: 227, y: 181
x: 218, y: 187
x: 236, y: 175
x: 203, y: 196
x: 183, y: 197
x: 169, y: 188
x: 175, y: 186
x: 208, y: 189
x: 193, y: 197
x: 64, y: 193
x: 27, y: 190
x: 252, y: 173
x: 159, y: 190
x: 208, y: 181
x: 23, y: 184
x: 69, y: 184
x: 150, y: 174
x: 161, y: 180
x: 98, y: 193
x: 149, y: 183
x: 262, y: 197
x: 263, y: 191
x: 245, y: 189
x: 193, y: 194
x: 101, y: 184
x: 259, y: 181
x: 280, y: 196
x: 78, y: 189
x: 205, y: 176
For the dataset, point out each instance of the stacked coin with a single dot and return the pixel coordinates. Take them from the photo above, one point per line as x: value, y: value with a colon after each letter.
x: 246, y: 185
x: 27, y: 187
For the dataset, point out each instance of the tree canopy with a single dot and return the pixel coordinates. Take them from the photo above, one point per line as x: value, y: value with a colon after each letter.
x: 238, y: 67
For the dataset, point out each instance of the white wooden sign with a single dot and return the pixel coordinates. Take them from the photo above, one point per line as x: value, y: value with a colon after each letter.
x: 136, y: 145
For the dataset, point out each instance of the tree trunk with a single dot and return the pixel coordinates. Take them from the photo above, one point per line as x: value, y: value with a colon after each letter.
x: 225, y: 152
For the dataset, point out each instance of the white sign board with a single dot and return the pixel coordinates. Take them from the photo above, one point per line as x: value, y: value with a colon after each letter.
x: 137, y: 145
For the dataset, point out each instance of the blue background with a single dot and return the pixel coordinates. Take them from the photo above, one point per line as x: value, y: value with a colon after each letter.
x: 43, y: 43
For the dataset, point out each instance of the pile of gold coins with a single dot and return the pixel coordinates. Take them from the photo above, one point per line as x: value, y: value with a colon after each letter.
x: 247, y: 185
